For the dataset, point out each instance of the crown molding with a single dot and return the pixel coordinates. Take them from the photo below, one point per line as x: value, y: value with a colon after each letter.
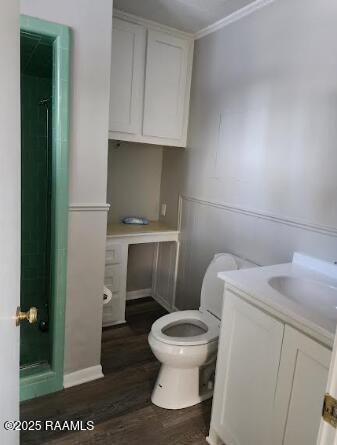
x: 237, y: 15
x: 117, y: 13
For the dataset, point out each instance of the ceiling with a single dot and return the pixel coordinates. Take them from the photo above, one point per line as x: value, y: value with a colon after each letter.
x: 185, y: 15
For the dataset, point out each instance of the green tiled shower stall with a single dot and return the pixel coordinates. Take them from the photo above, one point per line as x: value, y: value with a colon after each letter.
x: 44, y: 201
x: 36, y: 118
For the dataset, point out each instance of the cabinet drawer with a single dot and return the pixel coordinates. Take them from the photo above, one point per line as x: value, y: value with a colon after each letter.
x: 112, y: 277
x: 113, y: 254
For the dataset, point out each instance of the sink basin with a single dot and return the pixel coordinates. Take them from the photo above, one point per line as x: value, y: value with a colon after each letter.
x: 309, y: 292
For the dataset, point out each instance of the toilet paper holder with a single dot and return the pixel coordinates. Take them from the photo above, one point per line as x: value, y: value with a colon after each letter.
x: 107, y: 295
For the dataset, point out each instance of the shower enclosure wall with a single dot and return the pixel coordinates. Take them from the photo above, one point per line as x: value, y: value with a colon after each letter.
x: 44, y: 202
x: 36, y: 171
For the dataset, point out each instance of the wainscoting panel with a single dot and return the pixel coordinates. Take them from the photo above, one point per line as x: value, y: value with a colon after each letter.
x: 209, y: 227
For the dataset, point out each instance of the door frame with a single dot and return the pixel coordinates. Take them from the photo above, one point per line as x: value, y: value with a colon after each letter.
x: 45, y: 380
x: 9, y: 217
x: 327, y: 434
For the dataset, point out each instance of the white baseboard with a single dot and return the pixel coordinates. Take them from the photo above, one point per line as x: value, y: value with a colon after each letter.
x: 82, y: 376
x: 140, y: 293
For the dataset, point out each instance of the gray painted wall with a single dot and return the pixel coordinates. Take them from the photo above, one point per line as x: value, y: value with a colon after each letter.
x: 134, y: 177
x: 89, y: 112
x: 262, y: 137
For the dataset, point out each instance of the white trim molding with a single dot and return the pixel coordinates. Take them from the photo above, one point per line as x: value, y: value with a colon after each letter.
x: 139, y: 293
x: 294, y: 222
x: 234, y: 17
x: 225, y: 21
x: 85, y: 207
x: 82, y: 376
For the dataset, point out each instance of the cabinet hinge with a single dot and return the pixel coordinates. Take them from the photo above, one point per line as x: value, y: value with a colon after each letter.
x: 329, y: 413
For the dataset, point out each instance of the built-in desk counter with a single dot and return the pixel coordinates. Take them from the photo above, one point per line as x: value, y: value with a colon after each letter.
x: 119, y: 237
x: 154, y: 229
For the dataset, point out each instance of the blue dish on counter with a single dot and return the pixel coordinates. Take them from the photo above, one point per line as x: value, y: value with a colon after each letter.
x: 135, y: 220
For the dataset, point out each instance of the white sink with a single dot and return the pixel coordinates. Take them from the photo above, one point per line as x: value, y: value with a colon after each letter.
x: 313, y: 293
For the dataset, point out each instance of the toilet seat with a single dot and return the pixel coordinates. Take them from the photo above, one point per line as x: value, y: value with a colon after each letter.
x: 197, y: 318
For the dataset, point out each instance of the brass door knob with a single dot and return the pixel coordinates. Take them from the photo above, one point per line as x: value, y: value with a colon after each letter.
x: 30, y: 315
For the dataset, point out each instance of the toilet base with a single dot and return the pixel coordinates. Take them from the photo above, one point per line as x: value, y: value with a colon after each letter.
x: 178, y: 388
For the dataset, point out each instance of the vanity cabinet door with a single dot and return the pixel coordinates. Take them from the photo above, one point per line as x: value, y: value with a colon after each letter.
x: 300, y: 391
x: 246, y: 375
x: 127, y: 77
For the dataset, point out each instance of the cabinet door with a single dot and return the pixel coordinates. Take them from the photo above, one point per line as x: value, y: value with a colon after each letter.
x: 166, y: 85
x: 112, y: 277
x: 127, y: 77
x: 246, y: 374
x: 300, y: 391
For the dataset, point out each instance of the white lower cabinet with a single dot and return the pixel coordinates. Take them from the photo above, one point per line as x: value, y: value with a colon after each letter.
x: 246, y: 377
x: 270, y: 380
x: 300, y: 391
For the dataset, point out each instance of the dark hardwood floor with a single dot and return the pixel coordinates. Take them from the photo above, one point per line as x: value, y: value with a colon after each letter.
x: 120, y: 404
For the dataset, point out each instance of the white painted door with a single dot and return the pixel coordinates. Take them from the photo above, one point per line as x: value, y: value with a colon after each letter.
x: 327, y: 434
x: 9, y: 215
x: 300, y: 391
x: 246, y: 375
x: 127, y: 77
x: 166, y: 88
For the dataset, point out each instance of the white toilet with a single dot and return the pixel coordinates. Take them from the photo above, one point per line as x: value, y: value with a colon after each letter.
x: 186, y: 343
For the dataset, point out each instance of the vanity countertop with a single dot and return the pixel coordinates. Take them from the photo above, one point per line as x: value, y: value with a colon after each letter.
x: 315, y: 316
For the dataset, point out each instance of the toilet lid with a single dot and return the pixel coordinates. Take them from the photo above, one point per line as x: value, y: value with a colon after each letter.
x: 186, y: 328
x: 212, y: 287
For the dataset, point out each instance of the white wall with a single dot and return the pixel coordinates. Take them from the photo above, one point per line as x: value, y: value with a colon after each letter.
x: 262, y: 137
x: 91, y: 25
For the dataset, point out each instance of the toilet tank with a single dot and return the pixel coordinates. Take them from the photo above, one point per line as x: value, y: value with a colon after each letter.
x: 212, y: 287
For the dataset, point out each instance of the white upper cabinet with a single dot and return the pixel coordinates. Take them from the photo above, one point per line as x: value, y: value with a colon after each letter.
x: 165, y: 86
x: 151, y: 71
x: 127, y: 74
